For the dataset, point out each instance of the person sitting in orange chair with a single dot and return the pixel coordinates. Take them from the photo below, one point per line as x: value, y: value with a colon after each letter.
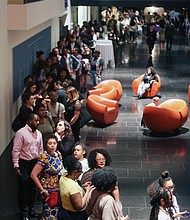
x: 155, y: 102
x: 147, y: 80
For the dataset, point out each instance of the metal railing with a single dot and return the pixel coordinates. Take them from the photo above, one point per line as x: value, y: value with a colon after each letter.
x: 22, y: 1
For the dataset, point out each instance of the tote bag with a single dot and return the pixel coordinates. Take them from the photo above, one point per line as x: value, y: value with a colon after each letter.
x: 84, y: 116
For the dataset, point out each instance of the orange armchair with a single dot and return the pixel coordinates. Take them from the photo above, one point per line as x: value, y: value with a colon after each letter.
x: 102, y: 110
x: 111, y: 82
x: 107, y: 91
x: 155, y: 87
x: 166, y: 117
x: 189, y: 93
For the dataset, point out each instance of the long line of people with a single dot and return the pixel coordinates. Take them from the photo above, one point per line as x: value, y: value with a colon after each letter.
x: 49, y: 128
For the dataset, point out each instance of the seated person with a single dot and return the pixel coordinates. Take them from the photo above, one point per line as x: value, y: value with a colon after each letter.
x: 155, y: 102
x: 147, y: 80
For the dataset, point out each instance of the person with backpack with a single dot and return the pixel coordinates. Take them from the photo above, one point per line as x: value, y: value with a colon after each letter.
x: 25, y: 110
x: 132, y: 30
x: 96, y: 70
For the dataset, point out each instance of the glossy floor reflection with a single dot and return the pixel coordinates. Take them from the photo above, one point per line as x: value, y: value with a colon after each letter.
x: 138, y: 155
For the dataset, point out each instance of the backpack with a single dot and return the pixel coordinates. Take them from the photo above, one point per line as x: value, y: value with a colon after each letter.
x: 16, y: 124
x: 132, y: 22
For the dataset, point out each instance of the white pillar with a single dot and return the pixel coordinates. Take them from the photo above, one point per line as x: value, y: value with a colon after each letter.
x: 82, y: 14
x: 68, y: 20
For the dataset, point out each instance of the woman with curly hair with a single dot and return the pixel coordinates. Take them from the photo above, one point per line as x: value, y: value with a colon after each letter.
x: 65, y: 138
x: 98, y: 159
x: 100, y: 204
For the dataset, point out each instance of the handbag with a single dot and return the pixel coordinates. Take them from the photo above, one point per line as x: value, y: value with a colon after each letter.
x: 16, y: 124
x: 53, y: 199
x: 84, y: 116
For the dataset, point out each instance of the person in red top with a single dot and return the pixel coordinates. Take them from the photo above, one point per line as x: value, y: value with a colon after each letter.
x: 27, y: 146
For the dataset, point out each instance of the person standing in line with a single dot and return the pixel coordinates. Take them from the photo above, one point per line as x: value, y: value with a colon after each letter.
x: 96, y: 70
x: 86, y: 59
x: 27, y: 146
x: 65, y: 138
x: 100, y: 203
x: 26, y: 109
x: 73, y: 109
x: 39, y: 66
x: 46, y: 174
x: 56, y: 108
x: 73, y: 197
x: 97, y: 159
x: 80, y: 153
x: 58, y: 87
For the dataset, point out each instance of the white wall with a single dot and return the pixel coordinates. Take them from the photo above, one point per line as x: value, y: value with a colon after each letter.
x: 10, y: 39
x: 5, y: 82
x: 94, y: 13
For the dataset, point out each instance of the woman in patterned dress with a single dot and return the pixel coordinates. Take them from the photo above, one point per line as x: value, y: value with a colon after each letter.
x: 46, y: 175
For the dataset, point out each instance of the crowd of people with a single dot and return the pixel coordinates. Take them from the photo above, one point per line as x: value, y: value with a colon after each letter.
x: 124, y: 25
x: 72, y: 187
x: 47, y: 154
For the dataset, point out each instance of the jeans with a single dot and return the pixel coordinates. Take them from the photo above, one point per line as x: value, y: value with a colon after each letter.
x: 142, y: 88
x: 93, y: 76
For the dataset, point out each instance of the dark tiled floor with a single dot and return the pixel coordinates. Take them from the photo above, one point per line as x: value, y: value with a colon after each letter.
x: 138, y: 155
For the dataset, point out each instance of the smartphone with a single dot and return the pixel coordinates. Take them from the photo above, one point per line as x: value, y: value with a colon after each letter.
x: 186, y: 214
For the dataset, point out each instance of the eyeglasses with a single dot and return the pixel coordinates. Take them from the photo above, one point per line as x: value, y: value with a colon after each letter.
x: 100, y: 159
x: 171, y: 187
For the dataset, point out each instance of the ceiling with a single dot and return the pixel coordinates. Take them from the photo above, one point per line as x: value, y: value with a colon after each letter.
x: 132, y: 3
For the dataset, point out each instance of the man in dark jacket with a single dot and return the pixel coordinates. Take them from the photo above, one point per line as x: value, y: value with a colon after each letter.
x: 169, y: 35
x: 151, y: 38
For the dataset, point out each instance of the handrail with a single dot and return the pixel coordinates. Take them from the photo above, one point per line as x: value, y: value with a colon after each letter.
x: 22, y: 1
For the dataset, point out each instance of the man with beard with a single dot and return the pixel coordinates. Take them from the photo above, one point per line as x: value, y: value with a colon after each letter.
x: 27, y: 146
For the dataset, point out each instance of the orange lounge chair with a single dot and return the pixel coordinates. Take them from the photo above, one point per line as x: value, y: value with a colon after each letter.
x: 189, y: 93
x: 107, y: 91
x: 166, y: 117
x: 111, y: 82
x: 155, y: 87
x: 102, y: 110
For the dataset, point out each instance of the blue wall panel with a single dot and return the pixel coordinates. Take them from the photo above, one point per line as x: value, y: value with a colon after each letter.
x: 24, y: 56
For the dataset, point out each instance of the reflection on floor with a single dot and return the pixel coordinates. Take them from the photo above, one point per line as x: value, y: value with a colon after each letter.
x: 138, y: 155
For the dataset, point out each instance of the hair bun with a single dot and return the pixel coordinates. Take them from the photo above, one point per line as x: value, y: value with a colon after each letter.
x: 165, y: 174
